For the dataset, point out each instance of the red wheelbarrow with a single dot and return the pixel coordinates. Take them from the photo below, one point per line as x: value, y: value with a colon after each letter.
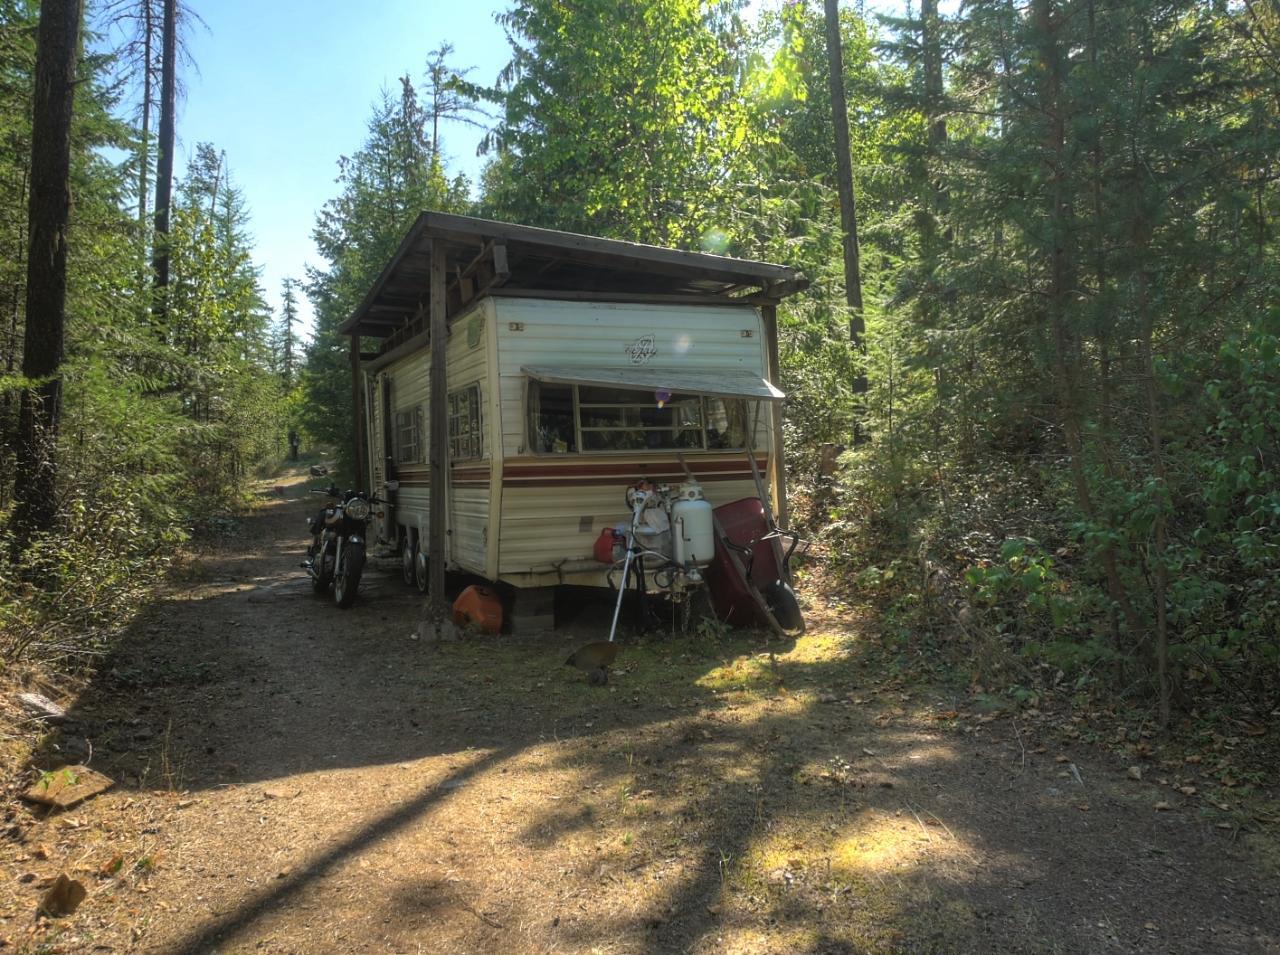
x: 749, y: 581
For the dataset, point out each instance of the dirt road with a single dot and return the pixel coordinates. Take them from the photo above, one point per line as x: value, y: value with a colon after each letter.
x: 293, y: 778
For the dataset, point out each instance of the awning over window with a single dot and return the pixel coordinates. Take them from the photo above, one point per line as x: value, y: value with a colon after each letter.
x: 723, y: 382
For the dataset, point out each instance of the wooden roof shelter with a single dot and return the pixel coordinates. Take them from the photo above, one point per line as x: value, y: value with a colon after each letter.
x: 482, y: 256
x: 446, y: 262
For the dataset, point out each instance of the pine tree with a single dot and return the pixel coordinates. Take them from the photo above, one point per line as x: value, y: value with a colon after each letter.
x: 384, y: 185
x: 288, y: 332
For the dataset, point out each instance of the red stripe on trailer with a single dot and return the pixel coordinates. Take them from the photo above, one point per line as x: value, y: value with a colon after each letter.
x: 628, y: 469
x: 608, y: 481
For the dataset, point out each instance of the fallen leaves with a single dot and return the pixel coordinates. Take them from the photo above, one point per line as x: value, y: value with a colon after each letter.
x: 112, y: 866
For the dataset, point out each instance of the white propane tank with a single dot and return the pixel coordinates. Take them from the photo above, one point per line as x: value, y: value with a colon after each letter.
x: 694, y: 527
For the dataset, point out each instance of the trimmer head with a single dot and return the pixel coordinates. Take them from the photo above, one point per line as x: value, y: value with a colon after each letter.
x: 594, y: 659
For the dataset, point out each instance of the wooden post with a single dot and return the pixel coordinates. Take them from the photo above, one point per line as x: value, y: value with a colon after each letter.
x: 362, y: 476
x: 769, y: 314
x: 439, y: 417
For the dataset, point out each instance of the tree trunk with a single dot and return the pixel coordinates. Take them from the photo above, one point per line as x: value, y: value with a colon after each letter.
x: 844, y: 182
x: 49, y: 209
x: 164, y: 165
x: 1160, y: 584
x: 144, y: 150
x: 931, y: 42
x: 1061, y: 284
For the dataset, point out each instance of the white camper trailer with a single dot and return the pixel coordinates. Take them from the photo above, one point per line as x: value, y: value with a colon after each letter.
x: 572, y: 367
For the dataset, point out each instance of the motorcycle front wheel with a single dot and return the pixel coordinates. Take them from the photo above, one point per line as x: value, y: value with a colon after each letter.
x: 346, y: 579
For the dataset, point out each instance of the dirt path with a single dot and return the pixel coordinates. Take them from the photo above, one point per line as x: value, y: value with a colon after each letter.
x: 298, y: 779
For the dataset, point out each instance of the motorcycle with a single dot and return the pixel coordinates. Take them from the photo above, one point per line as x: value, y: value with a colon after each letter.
x: 337, y: 552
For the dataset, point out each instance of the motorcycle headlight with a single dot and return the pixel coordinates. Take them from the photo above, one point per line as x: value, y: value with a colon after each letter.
x: 357, y: 509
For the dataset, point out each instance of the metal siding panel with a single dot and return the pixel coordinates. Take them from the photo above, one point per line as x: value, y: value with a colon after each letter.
x: 411, y: 381
x: 469, y: 506
x: 377, y: 460
x: 469, y: 520
x: 685, y: 336
x: 540, y: 525
x: 493, y: 440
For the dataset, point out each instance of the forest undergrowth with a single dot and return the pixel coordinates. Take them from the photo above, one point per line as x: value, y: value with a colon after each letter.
x: 978, y: 587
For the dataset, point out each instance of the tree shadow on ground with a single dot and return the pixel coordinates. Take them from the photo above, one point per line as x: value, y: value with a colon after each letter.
x: 711, y: 798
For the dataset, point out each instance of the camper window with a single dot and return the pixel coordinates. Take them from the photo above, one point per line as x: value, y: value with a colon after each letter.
x: 564, y: 418
x: 551, y: 424
x: 408, y: 436
x: 726, y: 423
x: 465, y: 438
x: 612, y: 419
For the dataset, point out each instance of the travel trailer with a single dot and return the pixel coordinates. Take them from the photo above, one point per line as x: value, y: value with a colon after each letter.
x: 511, y: 383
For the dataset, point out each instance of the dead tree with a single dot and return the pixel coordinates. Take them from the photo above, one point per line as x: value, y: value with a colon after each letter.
x: 164, y: 164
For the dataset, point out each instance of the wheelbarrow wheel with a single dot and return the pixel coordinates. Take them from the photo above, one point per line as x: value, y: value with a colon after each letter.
x: 785, y: 608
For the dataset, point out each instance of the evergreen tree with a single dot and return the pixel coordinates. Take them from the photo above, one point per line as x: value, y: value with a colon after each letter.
x: 615, y: 120
x: 384, y: 185
x: 288, y: 334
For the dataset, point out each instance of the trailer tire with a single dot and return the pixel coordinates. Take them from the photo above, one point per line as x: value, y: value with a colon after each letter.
x: 408, y: 558
x: 421, y: 570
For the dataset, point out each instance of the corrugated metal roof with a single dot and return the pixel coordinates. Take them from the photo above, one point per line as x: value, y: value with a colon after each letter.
x: 724, y: 382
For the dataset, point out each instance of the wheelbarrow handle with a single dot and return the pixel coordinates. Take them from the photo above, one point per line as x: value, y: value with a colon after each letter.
x: 747, y: 552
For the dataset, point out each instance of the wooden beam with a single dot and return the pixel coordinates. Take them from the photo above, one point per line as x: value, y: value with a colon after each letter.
x: 780, y: 290
x: 406, y: 347
x: 769, y: 314
x: 501, y: 268
x: 488, y: 269
x: 439, y: 417
x: 639, y: 298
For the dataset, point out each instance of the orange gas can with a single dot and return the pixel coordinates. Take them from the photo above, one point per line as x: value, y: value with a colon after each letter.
x: 478, y: 605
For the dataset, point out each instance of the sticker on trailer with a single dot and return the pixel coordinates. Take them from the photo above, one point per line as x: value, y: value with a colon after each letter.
x: 642, y: 350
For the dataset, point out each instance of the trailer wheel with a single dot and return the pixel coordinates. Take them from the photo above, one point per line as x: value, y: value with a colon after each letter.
x: 421, y: 570
x: 408, y: 554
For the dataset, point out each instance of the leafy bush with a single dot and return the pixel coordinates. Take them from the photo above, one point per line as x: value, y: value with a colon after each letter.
x: 77, y: 585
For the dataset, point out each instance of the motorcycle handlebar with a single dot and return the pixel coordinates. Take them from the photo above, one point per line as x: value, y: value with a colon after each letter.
x: 334, y: 492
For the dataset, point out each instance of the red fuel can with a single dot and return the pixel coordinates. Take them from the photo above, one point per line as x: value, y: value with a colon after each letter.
x: 603, y: 548
x: 480, y: 606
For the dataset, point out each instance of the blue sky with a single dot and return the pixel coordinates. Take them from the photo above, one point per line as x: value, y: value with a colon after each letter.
x: 285, y: 87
